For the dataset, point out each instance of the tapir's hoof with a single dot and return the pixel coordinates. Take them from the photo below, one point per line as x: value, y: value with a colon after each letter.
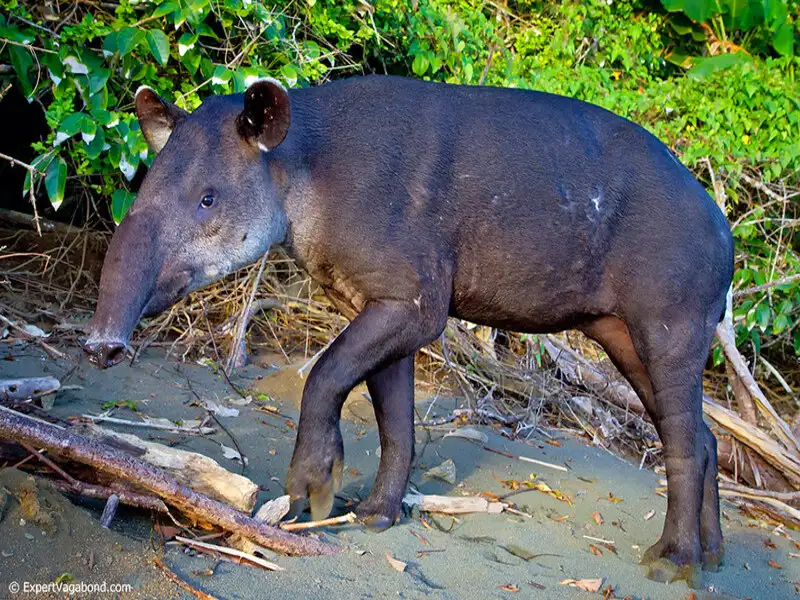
x: 376, y: 522
x: 375, y: 516
x: 664, y: 569
x: 318, y: 487
x: 321, y: 499
x: 712, y: 560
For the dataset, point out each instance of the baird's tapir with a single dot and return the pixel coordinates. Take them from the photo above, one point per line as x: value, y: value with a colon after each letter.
x: 409, y: 201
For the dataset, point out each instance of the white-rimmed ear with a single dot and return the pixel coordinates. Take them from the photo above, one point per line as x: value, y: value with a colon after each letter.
x: 157, y: 117
x: 266, y: 115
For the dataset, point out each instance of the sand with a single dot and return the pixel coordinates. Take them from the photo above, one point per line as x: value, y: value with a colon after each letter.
x: 477, y: 556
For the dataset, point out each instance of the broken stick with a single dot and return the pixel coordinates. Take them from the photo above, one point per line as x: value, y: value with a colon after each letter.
x: 18, y: 427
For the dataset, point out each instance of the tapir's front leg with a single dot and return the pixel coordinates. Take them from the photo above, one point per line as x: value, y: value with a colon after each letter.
x: 383, y: 333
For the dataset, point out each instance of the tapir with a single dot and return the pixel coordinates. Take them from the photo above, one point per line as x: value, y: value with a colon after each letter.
x: 412, y: 201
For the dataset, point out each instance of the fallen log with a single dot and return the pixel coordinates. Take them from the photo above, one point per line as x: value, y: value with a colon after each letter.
x: 201, y: 473
x: 18, y: 427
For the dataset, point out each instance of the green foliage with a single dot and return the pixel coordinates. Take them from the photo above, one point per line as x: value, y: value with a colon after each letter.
x: 714, y: 79
x: 758, y: 25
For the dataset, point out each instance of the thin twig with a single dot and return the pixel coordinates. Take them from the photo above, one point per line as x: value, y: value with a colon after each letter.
x: 766, y: 286
x: 348, y: 518
x: 225, y: 551
x: 173, y: 577
x: 171, y: 428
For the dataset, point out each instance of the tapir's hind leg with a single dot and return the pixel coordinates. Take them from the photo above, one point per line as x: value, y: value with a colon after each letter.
x: 392, y: 393
x: 676, y: 358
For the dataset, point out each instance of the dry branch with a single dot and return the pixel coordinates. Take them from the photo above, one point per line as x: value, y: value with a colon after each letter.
x: 581, y: 371
x: 725, y: 335
x: 453, y: 505
x: 783, y: 459
x: 15, y: 426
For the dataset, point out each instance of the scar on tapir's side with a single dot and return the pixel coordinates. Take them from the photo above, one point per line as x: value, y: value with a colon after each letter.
x: 410, y: 201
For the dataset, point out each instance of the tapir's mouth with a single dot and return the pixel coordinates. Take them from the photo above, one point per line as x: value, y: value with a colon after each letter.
x: 104, y: 354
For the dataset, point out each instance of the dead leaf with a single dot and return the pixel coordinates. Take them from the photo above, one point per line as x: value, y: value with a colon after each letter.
x: 397, y: 565
x: 219, y: 410
x: 562, y: 519
x: 598, y: 518
x: 509, y: 587
x: 611, y: 548
x: 513, y: 484
x: 587, y: 585
x: 555, y: 443
x: 774, y: 565
x: 167, y: 531
x: 290, y: 424
x: 770, y: 544
x: 354, y: 472
x: 469, y: 433
x: 595, y: 550
x: 240, y: 401
x: 232, y: 454
x: 613, y: 499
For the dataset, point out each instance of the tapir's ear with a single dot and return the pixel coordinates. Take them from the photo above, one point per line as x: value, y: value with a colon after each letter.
x: 266, y: 115
x: 157, y: 117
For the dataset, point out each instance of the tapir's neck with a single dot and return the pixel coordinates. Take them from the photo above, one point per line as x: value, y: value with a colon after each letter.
x: 299, y: 189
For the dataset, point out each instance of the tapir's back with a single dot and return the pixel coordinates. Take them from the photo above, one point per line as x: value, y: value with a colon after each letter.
x: 534, y: 192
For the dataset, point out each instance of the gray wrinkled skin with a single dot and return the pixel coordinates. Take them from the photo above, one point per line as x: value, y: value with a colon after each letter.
x: 409, y: 202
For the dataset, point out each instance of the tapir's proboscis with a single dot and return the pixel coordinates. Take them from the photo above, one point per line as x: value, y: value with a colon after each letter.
x: 409, y: 202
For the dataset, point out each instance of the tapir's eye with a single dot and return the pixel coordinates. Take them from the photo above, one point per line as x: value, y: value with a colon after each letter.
x: 207, y: 201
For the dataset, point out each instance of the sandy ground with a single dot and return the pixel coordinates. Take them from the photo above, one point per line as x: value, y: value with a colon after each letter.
x: 479, y: 556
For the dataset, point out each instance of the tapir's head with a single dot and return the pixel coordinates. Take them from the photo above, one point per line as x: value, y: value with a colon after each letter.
x: 208, y: 206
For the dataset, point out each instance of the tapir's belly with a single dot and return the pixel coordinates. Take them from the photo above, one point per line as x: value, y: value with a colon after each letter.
x: 534, y: 270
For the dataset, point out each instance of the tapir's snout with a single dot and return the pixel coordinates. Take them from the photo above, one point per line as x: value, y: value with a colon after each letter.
x: 104, y: 354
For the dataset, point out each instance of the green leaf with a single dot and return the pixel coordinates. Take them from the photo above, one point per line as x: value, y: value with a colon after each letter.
x: 159, y: 45
x: 706, y: 66
x: 783, y: 40
x: 420, y: 65
x: 22, y: 62
x: 763, y: 313
x: 165, y: 9
x: 121, y: 201
x: 71, y: 124
x: 186, y: 43
x: 128, y: 39
x: 94, y: 148
x: 55, y: 180
x: 780, y: 323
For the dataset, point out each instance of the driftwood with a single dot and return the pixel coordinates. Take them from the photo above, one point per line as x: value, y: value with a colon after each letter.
x: 55, y: 439
x: 778, y: 453
x: 593, y: 377
x: 15, y: 390
x: 197, y: 471
x: 748, y: 466
x: 453, y: 505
